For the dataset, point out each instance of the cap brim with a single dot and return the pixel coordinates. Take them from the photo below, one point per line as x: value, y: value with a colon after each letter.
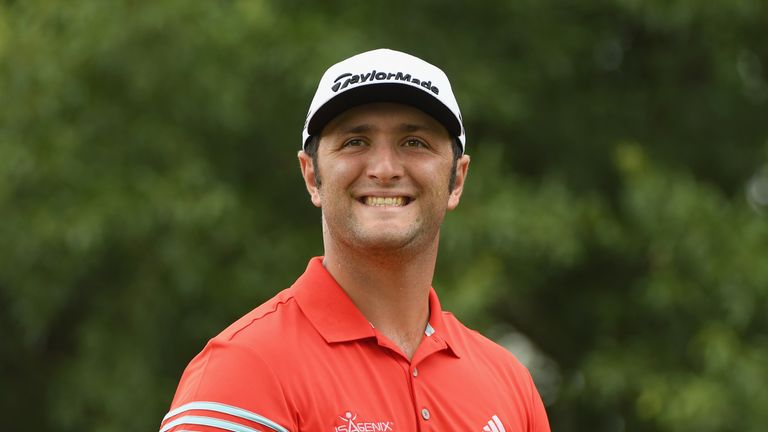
x: 384, y: 92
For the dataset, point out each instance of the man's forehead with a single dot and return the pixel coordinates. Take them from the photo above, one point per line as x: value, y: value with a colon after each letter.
x: 353, y: 127
x: 384, y: 117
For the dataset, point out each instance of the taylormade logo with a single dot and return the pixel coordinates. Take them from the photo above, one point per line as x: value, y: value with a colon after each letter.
x: 341, y: 83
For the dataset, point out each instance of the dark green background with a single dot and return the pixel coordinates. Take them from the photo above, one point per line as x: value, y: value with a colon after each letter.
x: 613, y: 231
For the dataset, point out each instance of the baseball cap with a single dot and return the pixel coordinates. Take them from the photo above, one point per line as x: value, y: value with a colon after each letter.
x: 384, y: 75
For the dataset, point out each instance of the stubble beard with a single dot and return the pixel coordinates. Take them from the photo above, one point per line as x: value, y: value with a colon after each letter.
x: 353, y: 234
x: 418, y: 237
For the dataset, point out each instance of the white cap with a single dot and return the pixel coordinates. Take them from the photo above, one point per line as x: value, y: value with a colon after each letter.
x: 384, y: 75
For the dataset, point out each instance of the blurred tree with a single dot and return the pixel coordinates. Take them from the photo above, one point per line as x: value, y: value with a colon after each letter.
x: 149, y: 195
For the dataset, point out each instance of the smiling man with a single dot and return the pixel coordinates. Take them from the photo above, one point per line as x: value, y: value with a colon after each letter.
x: 360, y: 342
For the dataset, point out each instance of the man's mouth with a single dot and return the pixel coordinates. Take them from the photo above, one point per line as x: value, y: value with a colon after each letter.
x: 385, y: 201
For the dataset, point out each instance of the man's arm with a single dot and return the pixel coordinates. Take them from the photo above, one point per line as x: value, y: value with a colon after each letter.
x: 229, y: 387
x: 538, y: 420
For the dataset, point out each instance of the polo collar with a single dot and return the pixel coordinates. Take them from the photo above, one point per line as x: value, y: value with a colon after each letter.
x: 328, y: 307
x: 337, y: 319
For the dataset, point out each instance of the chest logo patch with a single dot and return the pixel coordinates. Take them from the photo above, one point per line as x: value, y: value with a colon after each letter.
x: 494, y: 425
x: 349, y: 423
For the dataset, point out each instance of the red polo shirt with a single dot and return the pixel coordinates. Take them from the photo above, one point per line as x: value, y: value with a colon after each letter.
x: 307, y: 360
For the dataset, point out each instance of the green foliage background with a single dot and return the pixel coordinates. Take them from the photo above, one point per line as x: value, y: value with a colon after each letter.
x: 613, y: 227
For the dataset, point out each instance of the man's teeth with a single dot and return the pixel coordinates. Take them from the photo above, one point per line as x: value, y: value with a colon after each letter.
x: 385, y: 201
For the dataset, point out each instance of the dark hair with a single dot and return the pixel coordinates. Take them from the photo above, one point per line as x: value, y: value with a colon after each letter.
x: 313, y: 143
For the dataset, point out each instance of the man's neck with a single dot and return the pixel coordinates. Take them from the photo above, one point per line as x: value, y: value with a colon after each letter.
x: 390, y: 290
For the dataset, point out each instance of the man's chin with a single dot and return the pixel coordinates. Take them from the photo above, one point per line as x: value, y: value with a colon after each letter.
x: 383, y: 238
x: 382, y: 241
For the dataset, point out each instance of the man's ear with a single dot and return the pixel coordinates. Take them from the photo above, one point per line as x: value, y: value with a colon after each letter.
x: 309, y: 172
x: 462, y: 168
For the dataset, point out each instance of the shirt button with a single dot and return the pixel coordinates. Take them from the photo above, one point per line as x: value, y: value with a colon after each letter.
x: 415, y: 372
x: 425, y: 414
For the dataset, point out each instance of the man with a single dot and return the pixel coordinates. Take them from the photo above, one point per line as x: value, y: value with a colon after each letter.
x: 359, y: 342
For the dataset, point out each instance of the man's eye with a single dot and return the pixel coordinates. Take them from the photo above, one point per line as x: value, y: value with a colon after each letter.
x: 413, y: 142
x: 355, y: 142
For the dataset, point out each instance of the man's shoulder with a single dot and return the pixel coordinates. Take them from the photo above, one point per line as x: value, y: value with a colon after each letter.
x: 249, y: 352
x: 267, y: 321
x: 236, y: 373
x: 479, y: 347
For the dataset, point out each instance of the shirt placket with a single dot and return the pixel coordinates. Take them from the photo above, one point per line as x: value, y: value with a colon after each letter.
x: 427, y: 419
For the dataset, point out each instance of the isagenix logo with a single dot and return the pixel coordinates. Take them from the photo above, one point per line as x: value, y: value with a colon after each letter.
x: 350, y: 424
x: 340, y: 83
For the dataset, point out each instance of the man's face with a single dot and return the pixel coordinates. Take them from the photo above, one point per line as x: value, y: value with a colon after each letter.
x: 385, y: 174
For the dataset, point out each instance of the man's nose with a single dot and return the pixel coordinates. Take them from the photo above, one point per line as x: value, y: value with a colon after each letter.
x: 385, y: 164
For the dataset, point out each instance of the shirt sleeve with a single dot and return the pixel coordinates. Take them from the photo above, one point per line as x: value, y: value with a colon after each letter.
x: 229, y: 387
x: 538, y: 421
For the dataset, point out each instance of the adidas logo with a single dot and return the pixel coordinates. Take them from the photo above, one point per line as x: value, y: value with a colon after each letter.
x: 494, y: 425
